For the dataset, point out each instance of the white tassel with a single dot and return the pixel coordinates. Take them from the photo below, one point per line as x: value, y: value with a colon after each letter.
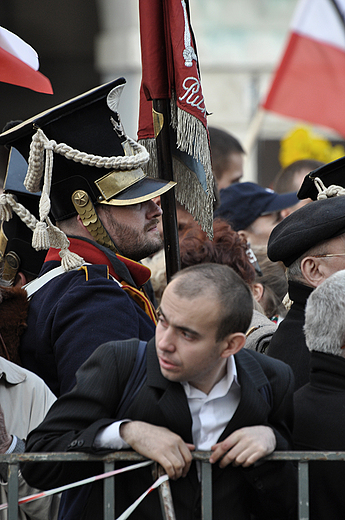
x: 40, y: 237
x: 70, y: 260
x: 5, y: 207
x: 59, y: 240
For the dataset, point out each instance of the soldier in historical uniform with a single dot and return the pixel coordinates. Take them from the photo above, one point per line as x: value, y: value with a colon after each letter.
x: 24, y: 397
x: 19, y: 262
x: 90, y: 287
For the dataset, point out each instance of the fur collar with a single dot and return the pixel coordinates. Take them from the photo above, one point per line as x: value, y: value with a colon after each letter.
x: 13, y: 314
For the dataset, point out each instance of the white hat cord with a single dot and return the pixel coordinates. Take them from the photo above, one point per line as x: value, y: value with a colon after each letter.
x: 41, y: 158
x: 326, y: 193
x: 8, y: 204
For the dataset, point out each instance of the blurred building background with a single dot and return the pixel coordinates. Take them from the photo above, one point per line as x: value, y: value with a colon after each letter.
x: 83, y: 43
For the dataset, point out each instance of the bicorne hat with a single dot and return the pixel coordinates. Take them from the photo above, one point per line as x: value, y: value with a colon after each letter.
x: 82, y: 145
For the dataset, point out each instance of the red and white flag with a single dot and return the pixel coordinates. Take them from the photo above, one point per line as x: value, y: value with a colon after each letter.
x: 310, y: 81
x: 19, y: 64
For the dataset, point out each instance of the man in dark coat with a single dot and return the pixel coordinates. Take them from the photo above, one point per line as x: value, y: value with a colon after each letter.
x: 202, y: 391
x: 311, y: 243
x: 319, y: 405
x: 92, y: 290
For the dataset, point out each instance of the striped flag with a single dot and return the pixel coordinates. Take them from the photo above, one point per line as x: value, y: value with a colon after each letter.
x: 310, y: 81
x: 19, y: 64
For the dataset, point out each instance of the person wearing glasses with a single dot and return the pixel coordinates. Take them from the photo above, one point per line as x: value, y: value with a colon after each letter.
x: 311, y: 244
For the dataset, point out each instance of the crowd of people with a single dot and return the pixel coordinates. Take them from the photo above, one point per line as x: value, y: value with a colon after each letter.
x: 240, y: 353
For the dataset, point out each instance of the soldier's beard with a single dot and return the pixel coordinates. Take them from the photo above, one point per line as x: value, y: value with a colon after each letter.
x: 133, y: 243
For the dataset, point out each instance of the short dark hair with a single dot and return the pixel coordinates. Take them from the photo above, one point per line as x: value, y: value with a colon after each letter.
x: 232, y: 293
x: 222, y: 144
x: 283, y: 182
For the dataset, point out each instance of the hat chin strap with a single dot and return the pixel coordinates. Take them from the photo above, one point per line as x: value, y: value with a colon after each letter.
x: 86, y: 211
x: 10, y: 267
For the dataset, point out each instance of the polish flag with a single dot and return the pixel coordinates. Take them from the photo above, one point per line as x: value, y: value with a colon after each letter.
x: 310, y: 81
x: 19, y: 64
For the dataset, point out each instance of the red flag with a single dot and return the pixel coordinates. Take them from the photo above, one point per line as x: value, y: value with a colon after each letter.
x: 170, y: 71
x: 19, y: 64
x: 310, y: 81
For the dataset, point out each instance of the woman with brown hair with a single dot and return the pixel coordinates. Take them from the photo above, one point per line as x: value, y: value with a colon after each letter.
x: 227, y: 247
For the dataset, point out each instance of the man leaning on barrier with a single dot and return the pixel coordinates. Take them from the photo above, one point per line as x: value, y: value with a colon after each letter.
x: 202, y: 391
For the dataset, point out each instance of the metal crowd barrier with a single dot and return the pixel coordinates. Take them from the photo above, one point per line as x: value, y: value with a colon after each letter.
x: 302, y: 458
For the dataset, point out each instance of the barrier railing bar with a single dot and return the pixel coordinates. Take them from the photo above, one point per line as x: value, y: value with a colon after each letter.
x: 165, y: 497
x: 124, y: 456
x: 302, y: 457
x: 303, y: 490
x: 13, y: 491
x: 109, y: 493
x: 206, y: 491
x: 305, y: 456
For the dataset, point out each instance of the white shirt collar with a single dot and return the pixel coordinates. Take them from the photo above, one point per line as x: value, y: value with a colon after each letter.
x: 220, y: 389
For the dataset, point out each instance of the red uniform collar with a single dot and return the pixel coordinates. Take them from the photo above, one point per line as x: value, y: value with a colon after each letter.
x: 93, y: 255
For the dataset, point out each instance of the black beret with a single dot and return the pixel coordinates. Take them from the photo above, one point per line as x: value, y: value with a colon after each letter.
x: 305, y: 228
x: 330, y: 173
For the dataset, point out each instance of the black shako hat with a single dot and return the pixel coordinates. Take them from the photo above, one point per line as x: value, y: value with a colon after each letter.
x: 330, y: 174
x: 16, y: 252
x: 242, y: 203
x: 305, y: 228
x: 90, y: 152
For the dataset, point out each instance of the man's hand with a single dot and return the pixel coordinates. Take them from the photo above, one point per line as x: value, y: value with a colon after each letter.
x: 159, y: 444
x: 5, y: 438
x: 244, y: 447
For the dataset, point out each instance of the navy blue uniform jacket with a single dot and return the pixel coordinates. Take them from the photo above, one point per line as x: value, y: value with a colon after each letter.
x: 266, y: 489
x: 74, y: 313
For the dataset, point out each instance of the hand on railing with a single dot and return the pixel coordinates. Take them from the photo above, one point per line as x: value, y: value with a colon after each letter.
x: 159, y: 444
x: 244, y: 446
